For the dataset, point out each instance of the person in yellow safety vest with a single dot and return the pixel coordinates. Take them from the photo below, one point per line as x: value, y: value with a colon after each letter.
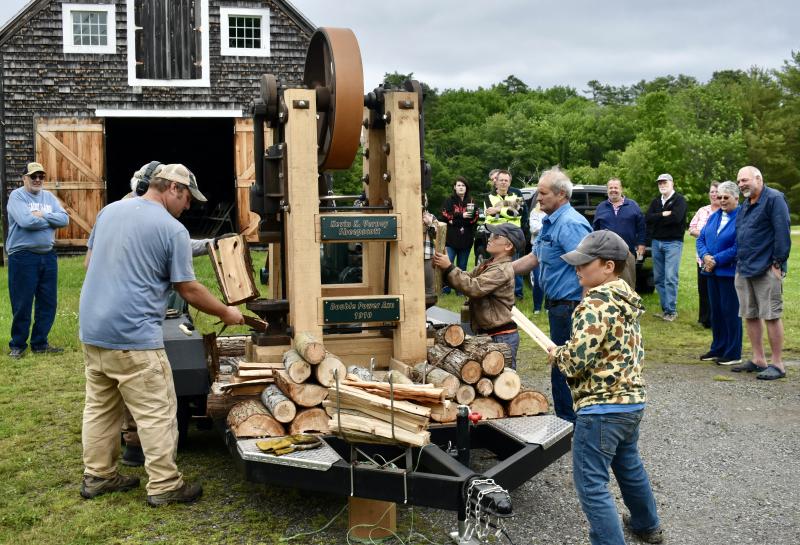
x: 506, y: 205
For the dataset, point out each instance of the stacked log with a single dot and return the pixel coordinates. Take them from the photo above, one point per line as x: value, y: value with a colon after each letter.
x: 477, y: 373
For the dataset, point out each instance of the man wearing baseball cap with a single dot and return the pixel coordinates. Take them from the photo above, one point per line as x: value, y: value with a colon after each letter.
x: 666, y: 222
x: 602, y: 362
x: 137, y: 251
x: 34, y: 214
x: 490, y: 286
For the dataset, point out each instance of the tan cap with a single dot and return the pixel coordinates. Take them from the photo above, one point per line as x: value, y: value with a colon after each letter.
x: 34, y: 167
x: 664, y: 177
x: 182, y: 175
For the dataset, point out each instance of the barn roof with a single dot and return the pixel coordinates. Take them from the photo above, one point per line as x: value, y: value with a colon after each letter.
x: 33, y: 7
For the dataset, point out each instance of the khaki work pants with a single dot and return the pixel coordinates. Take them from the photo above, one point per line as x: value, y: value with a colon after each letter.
x: 142, y: 381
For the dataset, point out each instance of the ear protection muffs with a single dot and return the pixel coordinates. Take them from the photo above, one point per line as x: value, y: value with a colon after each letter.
x: 144, y: 182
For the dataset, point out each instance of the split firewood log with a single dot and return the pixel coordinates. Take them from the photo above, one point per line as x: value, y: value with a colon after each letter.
x: 488, y: 407
x: 418, y: 393
x: 297, y: 368
x: 507, y: 385
x: 251, y: 419
x: 360, y: 373
x: 366, y: 429
x: 528, y: 402
x: 465, y: 394
x: 438, y: 377
x: 304, y: 394
x: 437, y: 353
x: 492, y: 357
x: 484, y: 387
x: 460, y: 364
x: 397, y: 377
x: 232, y: 345
x: 324, y: 372
x: 280, y: 407
x: 451, y: 335
x: 473, y: 342
x: 310, y: 420
x: 444, y: 412
x: 309, y: 347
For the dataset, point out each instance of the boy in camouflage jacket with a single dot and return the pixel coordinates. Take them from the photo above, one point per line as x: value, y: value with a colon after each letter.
x: 603, y: 366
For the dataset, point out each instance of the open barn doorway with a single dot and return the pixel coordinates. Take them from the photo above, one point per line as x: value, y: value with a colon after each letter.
x: 204, y: 145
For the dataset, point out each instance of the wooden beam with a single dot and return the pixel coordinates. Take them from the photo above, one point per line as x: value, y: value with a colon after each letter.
x: 373, y: 259
x: 406, y: 274
x: 71, y: 185
x: 302, y: 251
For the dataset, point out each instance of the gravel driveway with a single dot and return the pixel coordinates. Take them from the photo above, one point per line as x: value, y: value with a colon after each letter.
x: 723, y: 454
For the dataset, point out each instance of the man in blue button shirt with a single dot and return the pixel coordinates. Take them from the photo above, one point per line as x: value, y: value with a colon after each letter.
x: 562, y: 229
x: 763, y: 242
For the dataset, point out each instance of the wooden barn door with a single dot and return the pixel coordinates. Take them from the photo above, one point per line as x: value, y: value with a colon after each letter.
x: 246, y: 176
x: 72, y: 152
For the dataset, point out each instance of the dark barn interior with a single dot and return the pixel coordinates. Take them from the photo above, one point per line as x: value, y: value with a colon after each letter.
x: 204, y: 145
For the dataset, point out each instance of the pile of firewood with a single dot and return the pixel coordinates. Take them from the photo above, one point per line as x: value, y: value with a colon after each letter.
x: 477, y: 372
x: 284, y: 397
x: 377, y: 412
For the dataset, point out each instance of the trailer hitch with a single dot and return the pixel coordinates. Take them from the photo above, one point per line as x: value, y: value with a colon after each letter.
x: 487, y: 506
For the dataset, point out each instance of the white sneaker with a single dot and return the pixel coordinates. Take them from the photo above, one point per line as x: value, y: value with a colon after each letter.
x: 669, y: 317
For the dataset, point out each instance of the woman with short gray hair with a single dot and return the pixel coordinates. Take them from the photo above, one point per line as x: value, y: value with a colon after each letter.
x: 716, y: 246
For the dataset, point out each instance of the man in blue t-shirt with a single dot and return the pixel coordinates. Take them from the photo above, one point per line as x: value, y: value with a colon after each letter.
x: 137, y: 250
x: 562, y: 229
x: 34, y: 214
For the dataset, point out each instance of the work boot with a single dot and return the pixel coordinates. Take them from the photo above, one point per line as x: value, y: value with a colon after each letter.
x: 188, y: 493
x: 46, y: 349
x: 16, y: 353
x: 95, y: 486
x: 133, y: 456
x: 650, y: 536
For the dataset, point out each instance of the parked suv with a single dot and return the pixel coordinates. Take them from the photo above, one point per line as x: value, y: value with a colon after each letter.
x: 585, y: 199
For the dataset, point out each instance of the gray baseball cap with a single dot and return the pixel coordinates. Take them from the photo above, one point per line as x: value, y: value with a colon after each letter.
x: 602, y: 244
x: 511, y: 232
x: 664, y: 177
x: 179, y: 173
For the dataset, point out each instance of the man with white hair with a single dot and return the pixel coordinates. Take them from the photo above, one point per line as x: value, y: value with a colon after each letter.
x: 763, y: 243
x: 666, y: 222
x: 562, y: 229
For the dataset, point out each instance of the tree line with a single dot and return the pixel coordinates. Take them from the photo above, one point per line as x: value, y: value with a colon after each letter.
x: 698, y: 132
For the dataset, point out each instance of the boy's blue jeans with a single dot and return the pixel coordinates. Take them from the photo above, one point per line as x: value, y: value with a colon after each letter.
x: 32, y: 276
x: 511, y: 339
x: 610, y: 440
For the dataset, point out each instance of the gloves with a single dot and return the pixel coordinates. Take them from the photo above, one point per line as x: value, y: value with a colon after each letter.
x: 278, y: 446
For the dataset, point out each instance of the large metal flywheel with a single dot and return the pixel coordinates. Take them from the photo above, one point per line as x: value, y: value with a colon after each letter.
x: 333, y: 69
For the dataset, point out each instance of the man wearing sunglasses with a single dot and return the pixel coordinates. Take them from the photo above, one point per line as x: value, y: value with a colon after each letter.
x: 34, y: 214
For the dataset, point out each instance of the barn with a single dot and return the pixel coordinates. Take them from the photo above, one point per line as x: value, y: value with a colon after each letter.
x: 93, y: 89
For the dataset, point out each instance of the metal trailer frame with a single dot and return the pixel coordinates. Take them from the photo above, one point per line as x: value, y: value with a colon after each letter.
x: 431, y: 476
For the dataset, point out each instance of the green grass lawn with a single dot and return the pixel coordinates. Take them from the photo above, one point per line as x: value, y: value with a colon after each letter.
x: 41, y: 400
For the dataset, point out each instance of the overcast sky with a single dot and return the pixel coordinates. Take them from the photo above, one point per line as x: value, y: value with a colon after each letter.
x: 472, y: 43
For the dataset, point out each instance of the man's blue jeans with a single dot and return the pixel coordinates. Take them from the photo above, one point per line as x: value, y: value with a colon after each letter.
x: 560, y: 318
x: 666, y: 263
x: 536, y: 287
x: 610, y: 440
x: 32, y: 276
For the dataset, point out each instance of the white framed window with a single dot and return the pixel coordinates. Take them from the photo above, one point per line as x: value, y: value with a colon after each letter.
x: 89, y: 28
x: 244, y: 31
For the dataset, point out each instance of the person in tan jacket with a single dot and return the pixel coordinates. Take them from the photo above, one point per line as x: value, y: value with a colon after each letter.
x: 490, y: 286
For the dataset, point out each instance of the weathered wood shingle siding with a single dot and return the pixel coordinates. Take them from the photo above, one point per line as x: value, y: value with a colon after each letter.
x: 40, y: 80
